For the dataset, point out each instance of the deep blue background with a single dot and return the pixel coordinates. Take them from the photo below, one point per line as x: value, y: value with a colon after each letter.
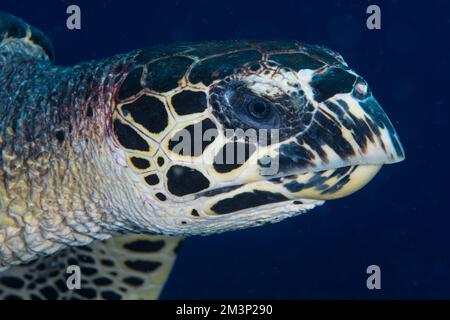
x: 400, y: 221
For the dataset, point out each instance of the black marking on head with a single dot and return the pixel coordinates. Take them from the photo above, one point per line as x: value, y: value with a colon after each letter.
x: 293, y: 156
x: 331, y: 82
x: 145, y: 245
x: 149, y: 112
x: 147, y: 55
x: 152, y: 179
x: 339, y: 172
x: 163, y: 75
x: 189, y: 102
x: 222, y: 66
x: 215, y: 192
x: 131, y: 85
x: 140, y: 163
x: 374, y: 111
x: 325, y: 54
x: 296, y: 61
x: 325, y: 131
x: 247, y: 200
x: 339, y: 111
x: 195, y: 213
x: 337, y: 186
x: 160, y: 161
x: 129, y: 138
x: 276, y: 180
x: 144, y: 266
x: 182, y: 181
x: 256, y: 67
x: 232, y: 156
x: 198, y: 141
x: 359, y: 128
x: 317, y: 181
x: 161, y: 196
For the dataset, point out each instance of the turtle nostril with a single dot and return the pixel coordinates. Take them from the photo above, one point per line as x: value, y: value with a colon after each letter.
x: 361, y: 88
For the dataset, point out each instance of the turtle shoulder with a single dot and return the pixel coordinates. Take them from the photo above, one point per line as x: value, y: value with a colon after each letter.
x: 18, y: 38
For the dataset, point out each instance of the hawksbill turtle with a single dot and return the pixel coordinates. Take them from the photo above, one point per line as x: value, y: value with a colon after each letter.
x: 92, y: 174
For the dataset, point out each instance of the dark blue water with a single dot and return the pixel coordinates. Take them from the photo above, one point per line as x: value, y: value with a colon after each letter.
x: 400, y: 221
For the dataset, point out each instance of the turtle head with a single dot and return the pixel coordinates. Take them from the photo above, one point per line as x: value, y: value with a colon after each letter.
x: 249, y: 134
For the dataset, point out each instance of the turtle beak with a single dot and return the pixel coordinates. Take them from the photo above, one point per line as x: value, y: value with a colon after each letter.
x: 346, y: 132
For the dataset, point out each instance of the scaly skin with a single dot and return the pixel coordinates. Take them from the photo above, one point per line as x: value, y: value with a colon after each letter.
x: 54, y: 164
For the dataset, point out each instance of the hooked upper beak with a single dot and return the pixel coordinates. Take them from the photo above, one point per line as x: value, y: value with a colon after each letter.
x: 344, y: 132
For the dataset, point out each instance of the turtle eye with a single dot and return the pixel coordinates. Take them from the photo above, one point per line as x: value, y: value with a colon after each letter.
x: 258, y: 109
x: 250, y: 109
x: 258, y: 113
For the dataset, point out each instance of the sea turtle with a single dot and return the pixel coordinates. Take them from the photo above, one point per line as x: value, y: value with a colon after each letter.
x: 93, y: 151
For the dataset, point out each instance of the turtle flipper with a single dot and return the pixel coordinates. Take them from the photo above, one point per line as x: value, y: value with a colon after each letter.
x: 125, y: 267
x: 18, y: 37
